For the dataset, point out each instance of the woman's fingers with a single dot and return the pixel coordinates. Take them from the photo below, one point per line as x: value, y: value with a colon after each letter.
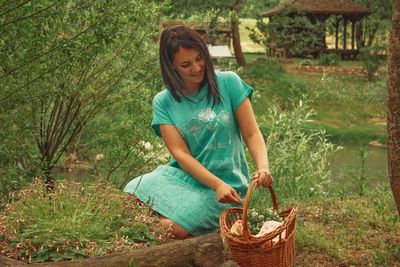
x: 264, y: 178
x: 236, y: 197
x: 230, y: 196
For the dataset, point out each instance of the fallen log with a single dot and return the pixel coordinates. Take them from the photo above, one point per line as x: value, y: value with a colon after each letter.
x: 202, y: 251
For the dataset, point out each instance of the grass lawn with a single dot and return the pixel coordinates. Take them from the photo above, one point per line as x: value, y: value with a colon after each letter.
x: 247, y: 44
x: 352, y: 231
x: 349, y: 108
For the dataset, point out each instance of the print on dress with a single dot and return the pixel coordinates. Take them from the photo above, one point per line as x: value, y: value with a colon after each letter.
x: 208, y: 120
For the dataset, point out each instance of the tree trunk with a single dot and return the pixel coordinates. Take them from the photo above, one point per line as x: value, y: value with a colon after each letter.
x: 212, y: 35
x: 359, y: 35
x: 202, y: 251
x: 393, y: 102
x: 235, y: 34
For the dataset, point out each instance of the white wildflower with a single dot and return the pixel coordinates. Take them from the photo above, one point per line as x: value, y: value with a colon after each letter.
x: 99, y: 157
x: 147, y: 146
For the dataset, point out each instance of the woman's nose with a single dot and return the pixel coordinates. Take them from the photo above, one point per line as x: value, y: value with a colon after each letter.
x: 196, y: 67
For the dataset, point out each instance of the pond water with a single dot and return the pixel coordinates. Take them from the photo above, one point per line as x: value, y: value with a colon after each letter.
x: 346, y: 161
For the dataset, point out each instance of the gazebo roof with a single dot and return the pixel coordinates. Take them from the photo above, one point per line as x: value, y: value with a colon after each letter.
x: 324, y: 7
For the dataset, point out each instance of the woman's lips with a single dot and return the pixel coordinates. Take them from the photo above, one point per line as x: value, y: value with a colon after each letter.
x: 198, y: 75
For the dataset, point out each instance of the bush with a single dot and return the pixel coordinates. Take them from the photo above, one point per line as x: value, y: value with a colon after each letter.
x: 75, y: 221
x: 371, y: 60
x: 59, y: 79
x: 296, y: 34
x: 298, y: 157
x: 127, y: 145
x: 329, y: 59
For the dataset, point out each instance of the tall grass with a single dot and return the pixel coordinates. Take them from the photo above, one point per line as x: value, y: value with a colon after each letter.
x: 74, y: 221
x: 299, y: 158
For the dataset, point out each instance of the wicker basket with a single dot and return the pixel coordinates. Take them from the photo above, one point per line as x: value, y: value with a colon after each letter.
x: 252, y: 251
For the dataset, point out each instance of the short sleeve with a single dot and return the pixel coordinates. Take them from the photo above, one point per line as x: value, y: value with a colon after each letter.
x: 238, y: 89
x: 160, y: 114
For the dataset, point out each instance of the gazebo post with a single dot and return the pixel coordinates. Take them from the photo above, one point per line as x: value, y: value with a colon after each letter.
x: 337, y: 33
x: 353, y: 24
x: 324, y: 33
x: 344, y: 32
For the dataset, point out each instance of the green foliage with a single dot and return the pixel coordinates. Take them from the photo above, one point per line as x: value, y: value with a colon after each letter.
x: 128, y: 145
x: 375, y: 27
x: 329, y: 59
x: 296, y: 34
x: 372, y: 60
x: 74, y: 221
x: 299, y: 157
x: 257, y: 217
x: 63, y: 63
x: 360, y: 176
x: 183, y: 9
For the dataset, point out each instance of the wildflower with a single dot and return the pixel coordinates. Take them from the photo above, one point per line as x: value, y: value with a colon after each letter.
x: 99, y: 157
x: 148, y: 146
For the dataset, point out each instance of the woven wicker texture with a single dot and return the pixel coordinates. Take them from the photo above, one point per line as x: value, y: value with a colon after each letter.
x: 260, y: 251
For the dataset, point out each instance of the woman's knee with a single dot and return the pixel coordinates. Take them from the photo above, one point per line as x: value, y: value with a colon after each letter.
x: 175, y: 229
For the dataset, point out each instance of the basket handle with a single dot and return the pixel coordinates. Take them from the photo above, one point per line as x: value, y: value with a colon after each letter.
x: 253, y: 183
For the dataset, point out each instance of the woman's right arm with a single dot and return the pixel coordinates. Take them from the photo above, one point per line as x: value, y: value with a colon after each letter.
x: 178, y: 148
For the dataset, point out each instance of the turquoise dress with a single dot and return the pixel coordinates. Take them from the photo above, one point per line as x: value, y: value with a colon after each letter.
x: 214, y: 139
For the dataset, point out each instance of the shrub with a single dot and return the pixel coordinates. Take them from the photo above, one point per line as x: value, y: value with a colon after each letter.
x: 58, y: 79
x: 299, y: 158
x: 296, y: 34
x: 329, y: 59
x: 371, y: 60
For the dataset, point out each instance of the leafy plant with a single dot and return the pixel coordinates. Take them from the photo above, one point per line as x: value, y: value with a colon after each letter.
x: 329, y: 59
x: 62, y: 68
x: 361, y: 177
x: 299, y: 157
x: 296, y: 34
x: 372, y: 60
x: 256, y: 218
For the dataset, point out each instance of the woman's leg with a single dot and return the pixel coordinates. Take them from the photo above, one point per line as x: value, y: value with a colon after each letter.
x: 176, y: 230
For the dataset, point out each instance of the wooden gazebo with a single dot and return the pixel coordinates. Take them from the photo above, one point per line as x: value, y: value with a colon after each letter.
x: 346, y: 11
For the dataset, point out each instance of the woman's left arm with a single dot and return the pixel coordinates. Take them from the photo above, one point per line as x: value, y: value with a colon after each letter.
x: 254, y: 142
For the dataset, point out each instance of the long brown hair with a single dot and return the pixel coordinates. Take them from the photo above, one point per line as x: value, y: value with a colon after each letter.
x: 174, y: 38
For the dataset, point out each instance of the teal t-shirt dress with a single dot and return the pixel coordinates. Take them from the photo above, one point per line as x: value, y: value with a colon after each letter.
x: 214, y: 139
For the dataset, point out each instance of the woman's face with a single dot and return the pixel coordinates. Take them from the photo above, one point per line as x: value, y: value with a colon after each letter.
x: 189, y: 63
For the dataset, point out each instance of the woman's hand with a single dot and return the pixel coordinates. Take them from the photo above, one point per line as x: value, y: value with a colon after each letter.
x: 264, y: 178
x: 226, y: 194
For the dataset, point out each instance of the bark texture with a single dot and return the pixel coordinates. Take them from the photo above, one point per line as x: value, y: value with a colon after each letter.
x: 393, y: 103
x: 235, y: 34
x: 203, y: 251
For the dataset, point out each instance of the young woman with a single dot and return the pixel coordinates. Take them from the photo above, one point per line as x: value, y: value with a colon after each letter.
x: 203, y: 117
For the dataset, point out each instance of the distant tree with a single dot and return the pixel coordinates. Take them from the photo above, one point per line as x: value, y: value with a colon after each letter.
x: 376, y: 24
x: 235, y: 32
x: 63, y: 62
x: 393, y: 113
x: 229, y: 9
